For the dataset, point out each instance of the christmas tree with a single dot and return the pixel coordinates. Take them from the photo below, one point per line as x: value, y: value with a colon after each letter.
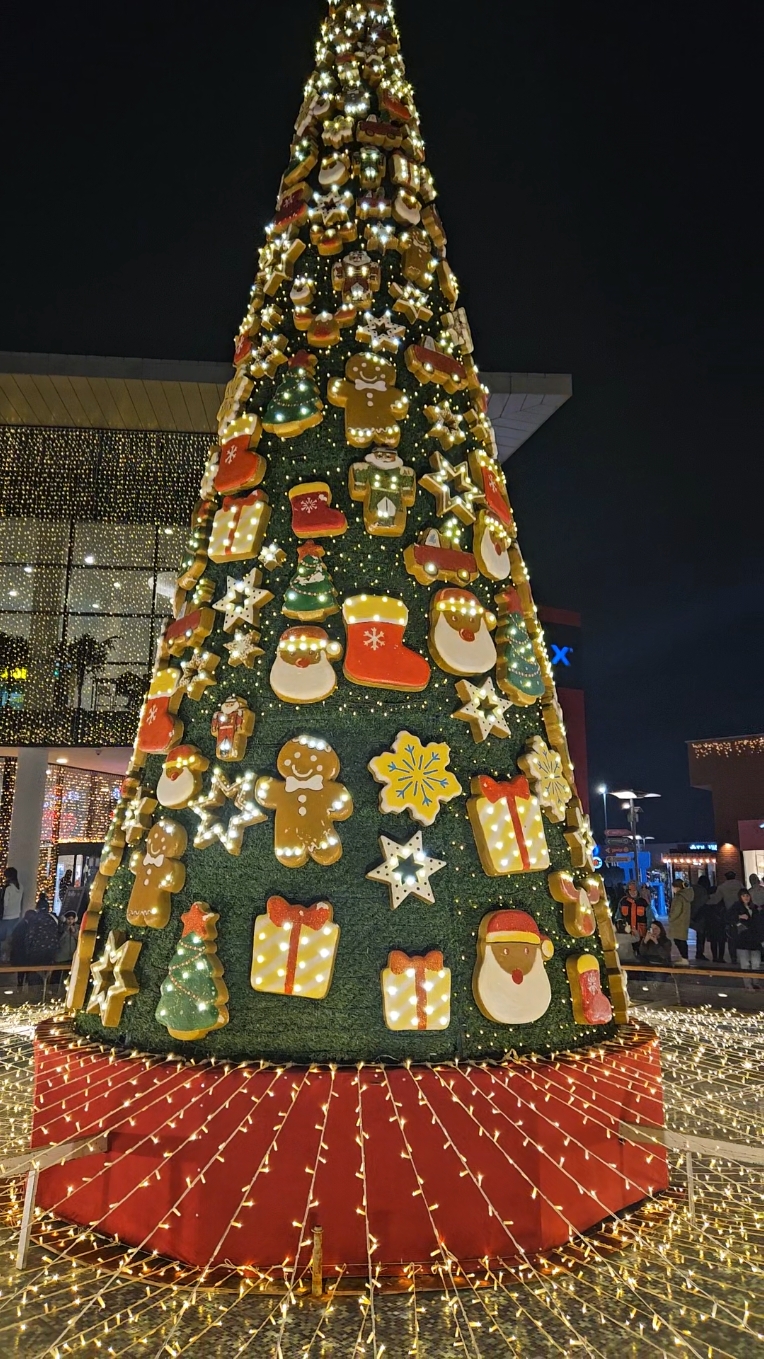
x: 311, y: 595
x: 380, y: 810
x: 193, y: 993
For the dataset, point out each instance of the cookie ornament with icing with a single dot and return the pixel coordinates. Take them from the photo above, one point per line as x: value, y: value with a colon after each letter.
x: 303, y: 671
x: 460, y: 633
x: 181, y: 778
x: 490, y: 544
x: 372, y: 403
x: 308, y: 801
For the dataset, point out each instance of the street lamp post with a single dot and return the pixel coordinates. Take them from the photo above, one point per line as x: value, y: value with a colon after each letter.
x: 629, y: 800
x: 602, y: 790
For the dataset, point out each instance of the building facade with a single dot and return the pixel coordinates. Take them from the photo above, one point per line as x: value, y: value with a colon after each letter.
x: 732, y: 770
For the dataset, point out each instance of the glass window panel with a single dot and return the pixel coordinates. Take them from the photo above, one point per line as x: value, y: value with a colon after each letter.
x: 114, y: 591
x: 131, y: 637
x: 15, y: 624
x: 33, y: 540
x: 114, y: 545
x: 166, y: 587
x: 38, y: 588
x: 170, y: 544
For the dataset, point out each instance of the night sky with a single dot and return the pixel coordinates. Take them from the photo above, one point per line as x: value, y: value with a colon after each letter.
x: 599, y: 167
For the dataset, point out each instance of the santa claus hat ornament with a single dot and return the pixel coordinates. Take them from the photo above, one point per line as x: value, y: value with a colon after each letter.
x: 505, y: 927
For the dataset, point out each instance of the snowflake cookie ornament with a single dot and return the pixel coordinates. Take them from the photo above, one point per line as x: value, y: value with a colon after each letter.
x: 543, y: 768
x: 415, y: 778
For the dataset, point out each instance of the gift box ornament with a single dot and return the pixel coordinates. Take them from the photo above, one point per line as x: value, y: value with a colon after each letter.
x: 295, y: 949
x: 238, y: 528
x: 506, y: 822
x: 416, y: 992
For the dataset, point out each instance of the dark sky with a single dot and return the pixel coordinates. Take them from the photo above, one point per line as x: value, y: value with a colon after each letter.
x: 599, y: 166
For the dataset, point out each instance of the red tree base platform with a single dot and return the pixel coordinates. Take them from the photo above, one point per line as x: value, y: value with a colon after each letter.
x: 215, y: 1165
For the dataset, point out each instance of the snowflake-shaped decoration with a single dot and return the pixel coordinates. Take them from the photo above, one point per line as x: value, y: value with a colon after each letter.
x: 415, y: 778
x: 374, y: 639
x: 579, y: 836
x: 243, y: 648
x: 447, y: 425
x: 380, y: 332
x: 543, y: 768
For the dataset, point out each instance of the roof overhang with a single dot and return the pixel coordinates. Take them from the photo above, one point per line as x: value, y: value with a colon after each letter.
x: 88, y: 392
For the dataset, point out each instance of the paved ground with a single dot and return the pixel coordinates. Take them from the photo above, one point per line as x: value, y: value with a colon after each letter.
x: 656, y: 1284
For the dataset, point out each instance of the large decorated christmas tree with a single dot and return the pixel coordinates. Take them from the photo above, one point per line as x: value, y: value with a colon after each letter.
x: 350, y: 830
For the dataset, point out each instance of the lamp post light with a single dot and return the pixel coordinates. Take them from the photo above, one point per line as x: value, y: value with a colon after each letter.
x: 602, y: 790
x: 629, y: 800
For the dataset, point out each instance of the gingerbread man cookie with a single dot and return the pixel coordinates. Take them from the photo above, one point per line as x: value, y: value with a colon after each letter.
x: 158, y: 873
x: 307, y: 801
x: 373, y: 404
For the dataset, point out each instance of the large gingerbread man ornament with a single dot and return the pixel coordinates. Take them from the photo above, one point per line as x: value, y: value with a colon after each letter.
x: 307, y: 801
x: 158, y: 873
x: 373, y: 404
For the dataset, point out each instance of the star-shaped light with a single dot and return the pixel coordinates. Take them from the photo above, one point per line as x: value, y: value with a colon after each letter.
x: 198, y: 672
x: 138, y: 814
x: 272, y: 556
x: 447, y: 425
x: 579, y: 836
x: 239, y: 791
x: 484, y: 709
x: 243, y: 600
x: 454, y: 490
x: 243, y: 650
x: 114, y: 978
x: 331, y: 208
x: 407, y: 870
x: 380, y: 332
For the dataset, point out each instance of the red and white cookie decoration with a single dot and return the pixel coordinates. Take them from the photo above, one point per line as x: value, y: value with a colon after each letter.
x: 460, y: 633
x: 303, y: 671
x: 181, y: 776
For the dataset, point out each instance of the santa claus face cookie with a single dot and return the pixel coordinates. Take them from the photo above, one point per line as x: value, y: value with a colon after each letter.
x: 460, y: 633
x: 490, y: 544
x: 510, y: 983
x: 181, y: 777
x: 302, y: 671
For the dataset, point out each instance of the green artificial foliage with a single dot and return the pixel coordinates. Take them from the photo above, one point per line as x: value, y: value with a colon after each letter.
x: 359, y: 723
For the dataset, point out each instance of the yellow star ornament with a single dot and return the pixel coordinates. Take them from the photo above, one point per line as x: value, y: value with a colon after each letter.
x: 114, y: 978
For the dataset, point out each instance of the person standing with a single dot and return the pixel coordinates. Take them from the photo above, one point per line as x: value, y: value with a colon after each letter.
x: 634, y: 915
x: 744, y: 922
x: 726, y: 896
x: 680, y: 911
x: 10, y: 904
x: 699, y: 917
x: 757, y: 890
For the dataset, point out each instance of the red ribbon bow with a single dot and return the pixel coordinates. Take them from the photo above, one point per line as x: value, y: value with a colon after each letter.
x: 509, y: 792
x: 281, y: 913
x: 399, y: 963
